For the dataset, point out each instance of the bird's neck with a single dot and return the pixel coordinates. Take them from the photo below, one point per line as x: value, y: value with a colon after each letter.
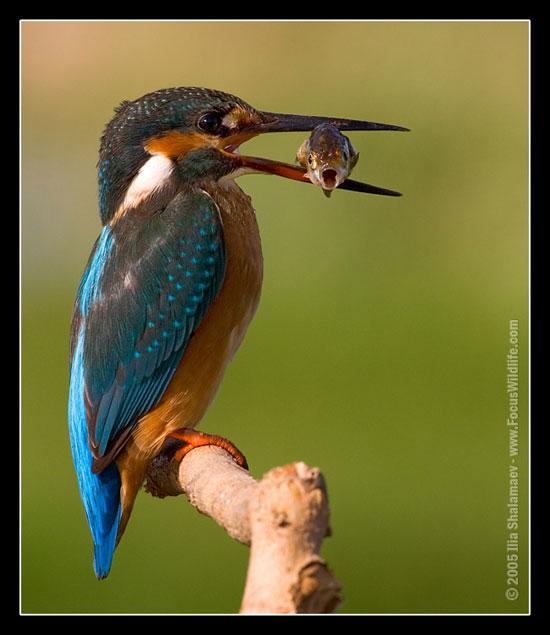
x: 148, y: 180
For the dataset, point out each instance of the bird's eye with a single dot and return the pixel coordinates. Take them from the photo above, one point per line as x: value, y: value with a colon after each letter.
x: 310, y: 159
x: 210, y: 122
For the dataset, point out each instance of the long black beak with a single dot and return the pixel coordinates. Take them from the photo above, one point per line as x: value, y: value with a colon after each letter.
x: 278, y: 122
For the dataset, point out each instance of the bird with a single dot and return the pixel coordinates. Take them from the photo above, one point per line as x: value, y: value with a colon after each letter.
x: 170, y: 287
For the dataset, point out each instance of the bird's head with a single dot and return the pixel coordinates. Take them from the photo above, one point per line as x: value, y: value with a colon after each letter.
x: 188, y: 135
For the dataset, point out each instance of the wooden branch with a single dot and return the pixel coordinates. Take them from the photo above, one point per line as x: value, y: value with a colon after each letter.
x: 213, y: 483
x: 284, y: 517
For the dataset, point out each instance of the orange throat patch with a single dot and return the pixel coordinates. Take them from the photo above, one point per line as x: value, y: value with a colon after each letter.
x: 176, y: 144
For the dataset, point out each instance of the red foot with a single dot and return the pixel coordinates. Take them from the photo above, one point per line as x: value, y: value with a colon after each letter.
x: 194, y: 439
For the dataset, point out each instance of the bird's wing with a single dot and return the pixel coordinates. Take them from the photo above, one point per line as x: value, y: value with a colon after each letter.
x: 139, y: 303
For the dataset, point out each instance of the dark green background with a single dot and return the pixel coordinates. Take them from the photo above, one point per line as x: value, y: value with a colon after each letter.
x: 378, y: 351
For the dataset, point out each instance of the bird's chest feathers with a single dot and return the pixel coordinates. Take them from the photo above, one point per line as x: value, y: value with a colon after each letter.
x: 222, y: 329
x: 240, y: 294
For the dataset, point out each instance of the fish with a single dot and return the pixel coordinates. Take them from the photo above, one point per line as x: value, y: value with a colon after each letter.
x: 328, y: 157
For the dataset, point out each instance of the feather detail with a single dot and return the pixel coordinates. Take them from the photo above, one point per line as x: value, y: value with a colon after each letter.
x: 100, y: 493
x: 160, y: 278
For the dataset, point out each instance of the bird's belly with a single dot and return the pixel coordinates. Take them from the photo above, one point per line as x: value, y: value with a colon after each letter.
x: 221, y: 331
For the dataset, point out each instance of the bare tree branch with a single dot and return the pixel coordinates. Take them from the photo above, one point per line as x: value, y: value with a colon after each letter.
x: 284, y: 517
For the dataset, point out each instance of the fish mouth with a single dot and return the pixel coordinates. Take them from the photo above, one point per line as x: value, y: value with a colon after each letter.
x: 328, y: 177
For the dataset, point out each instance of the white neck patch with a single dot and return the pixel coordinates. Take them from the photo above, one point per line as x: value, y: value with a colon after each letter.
x: 154, y: 174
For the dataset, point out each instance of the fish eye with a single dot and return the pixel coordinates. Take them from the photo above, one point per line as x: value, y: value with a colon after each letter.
x: 210, y: 122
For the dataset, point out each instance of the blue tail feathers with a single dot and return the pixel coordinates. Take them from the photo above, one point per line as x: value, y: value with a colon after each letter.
x: 100, y: 493
x: 106, y: 520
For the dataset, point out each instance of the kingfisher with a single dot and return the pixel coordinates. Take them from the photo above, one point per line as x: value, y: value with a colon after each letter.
x: 170, y: 287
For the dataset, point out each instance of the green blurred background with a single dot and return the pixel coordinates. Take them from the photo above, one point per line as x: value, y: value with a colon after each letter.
x: 378, y: 351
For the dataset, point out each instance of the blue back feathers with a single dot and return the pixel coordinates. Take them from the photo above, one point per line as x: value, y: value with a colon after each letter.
x: 145, y: 291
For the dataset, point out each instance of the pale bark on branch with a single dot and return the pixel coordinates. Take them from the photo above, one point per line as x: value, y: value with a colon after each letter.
x: 284, y: 518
